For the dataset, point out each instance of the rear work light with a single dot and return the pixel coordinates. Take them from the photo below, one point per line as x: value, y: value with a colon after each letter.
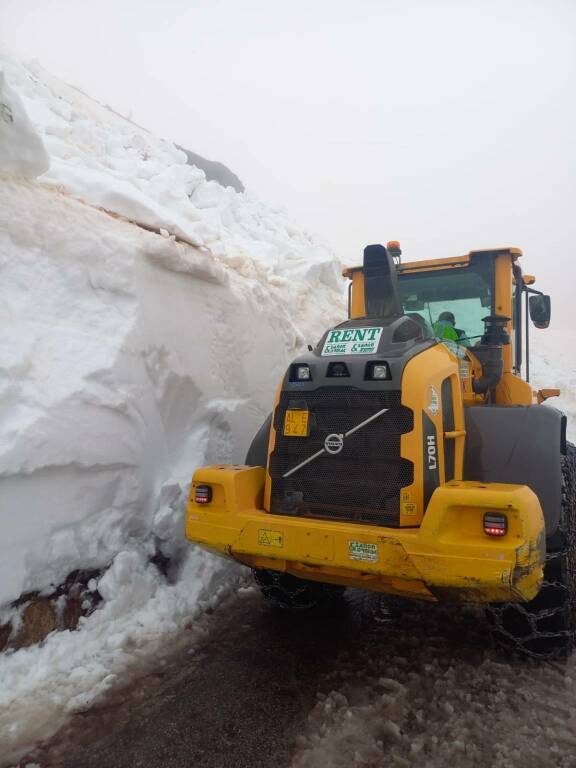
x: 303, y: 373
x: 495, y: 524
x: 203, y: 494
x: 300, y: 372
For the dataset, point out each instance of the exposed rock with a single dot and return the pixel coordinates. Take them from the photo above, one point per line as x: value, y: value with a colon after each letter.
x: 24, y: 598
x: 5, y: 632
x: 71, y: 613
x: 214, y: 170
x: 59, y: 610
x: 38, y: 620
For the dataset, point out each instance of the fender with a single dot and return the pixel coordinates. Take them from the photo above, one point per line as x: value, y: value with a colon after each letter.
x: 257, y: 455
x: 522, y: 445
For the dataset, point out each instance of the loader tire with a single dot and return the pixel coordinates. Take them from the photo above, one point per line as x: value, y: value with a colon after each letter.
x: 286, y: 591
x: 545, y: 627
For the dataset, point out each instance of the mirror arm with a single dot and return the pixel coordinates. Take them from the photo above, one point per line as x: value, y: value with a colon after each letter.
x: 527, y: 332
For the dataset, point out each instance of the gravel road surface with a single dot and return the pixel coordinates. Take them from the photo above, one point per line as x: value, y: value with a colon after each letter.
x: 371, y: 684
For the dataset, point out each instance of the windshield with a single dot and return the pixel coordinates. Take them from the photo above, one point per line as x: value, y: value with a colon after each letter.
x: 450, y: 302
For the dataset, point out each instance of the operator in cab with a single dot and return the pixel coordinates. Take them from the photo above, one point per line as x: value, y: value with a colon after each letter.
x: 445, y: 328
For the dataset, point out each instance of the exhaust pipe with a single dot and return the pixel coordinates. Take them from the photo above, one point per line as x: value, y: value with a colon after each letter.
x: 489, y: 353
x: 381, y: 298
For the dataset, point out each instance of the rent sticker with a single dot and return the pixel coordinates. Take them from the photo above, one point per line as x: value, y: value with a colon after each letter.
x: 352, y: 341
x: 363, y: 550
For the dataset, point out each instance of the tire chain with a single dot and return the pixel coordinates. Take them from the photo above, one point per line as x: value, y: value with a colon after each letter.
x: 306, y: 595
x: 563, y: 591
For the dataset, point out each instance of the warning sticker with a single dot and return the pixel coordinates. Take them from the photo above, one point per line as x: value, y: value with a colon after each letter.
x: 363, y: 550
x: 409, y: 508
x: 269, y: 538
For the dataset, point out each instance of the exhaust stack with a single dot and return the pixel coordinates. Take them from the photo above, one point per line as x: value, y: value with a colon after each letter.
x: 489, y: 353
x: 381, y: 298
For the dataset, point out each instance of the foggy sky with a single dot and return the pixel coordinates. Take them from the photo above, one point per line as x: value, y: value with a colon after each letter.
x: 446, y: 125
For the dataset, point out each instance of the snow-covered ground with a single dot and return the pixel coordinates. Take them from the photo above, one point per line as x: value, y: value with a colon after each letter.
x: 426, y: 689
x: 146, y: 316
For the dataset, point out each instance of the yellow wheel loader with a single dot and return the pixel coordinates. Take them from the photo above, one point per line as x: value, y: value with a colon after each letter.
x: 406, y: 454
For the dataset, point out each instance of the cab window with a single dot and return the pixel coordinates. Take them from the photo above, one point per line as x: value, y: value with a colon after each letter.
x: 451, y: 302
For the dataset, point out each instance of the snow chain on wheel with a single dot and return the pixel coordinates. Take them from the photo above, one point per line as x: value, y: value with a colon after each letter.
x: 545, y: 627
x: 286, y: 591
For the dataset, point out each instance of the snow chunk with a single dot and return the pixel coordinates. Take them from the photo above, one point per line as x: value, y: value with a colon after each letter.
x: 21, y: 149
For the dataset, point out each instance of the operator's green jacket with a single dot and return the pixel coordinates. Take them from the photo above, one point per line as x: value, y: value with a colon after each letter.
x: 445, y: 330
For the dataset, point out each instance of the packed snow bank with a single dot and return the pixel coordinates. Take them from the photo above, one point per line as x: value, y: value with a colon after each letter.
x: 108, y: 161
x: 127, y: 358
x: 126, y: 361
x: 134, y: 629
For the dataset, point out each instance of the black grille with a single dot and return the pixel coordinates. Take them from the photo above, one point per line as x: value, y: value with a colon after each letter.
x: 361, y: 483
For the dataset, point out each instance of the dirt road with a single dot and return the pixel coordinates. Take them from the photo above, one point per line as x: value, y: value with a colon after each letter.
x: 238, y: 699
x: 355, y: 687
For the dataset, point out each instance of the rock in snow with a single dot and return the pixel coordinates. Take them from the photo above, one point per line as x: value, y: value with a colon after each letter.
x: 128, y: 357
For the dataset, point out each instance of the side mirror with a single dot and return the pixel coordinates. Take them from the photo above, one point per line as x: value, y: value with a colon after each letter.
x: 540, y: 309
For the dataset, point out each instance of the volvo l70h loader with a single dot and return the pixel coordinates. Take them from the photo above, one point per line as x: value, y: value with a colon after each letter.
x: 407, y: 454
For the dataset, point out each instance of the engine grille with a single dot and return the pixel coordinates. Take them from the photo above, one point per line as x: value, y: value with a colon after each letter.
x: 361, y: 483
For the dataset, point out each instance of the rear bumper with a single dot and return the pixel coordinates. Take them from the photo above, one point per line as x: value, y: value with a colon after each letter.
x: 449, y: 557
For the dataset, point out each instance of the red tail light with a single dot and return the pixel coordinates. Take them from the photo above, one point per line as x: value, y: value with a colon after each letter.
x: 495, y: 524
x: 203, y: 494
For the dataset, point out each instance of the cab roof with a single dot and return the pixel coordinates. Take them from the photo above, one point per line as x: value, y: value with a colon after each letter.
x: 448, y: 262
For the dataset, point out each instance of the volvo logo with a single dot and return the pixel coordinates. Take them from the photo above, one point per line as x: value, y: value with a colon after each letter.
x: 334, y: 443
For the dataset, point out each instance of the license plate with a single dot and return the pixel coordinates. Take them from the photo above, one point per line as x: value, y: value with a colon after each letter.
x: 296, y: 423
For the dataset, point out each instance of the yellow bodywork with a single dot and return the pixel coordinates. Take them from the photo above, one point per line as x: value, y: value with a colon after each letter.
x: 512, y: 390
x: 448, y: 557
x: 439, y: 551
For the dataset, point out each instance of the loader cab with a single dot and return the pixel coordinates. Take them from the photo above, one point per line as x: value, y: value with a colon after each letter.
x: 471, y: 287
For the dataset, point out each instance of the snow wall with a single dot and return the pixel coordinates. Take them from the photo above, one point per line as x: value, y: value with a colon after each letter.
x: 146, y: 317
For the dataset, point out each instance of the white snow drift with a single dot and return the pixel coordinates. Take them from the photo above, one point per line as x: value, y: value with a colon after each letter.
x: 128, y: 357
